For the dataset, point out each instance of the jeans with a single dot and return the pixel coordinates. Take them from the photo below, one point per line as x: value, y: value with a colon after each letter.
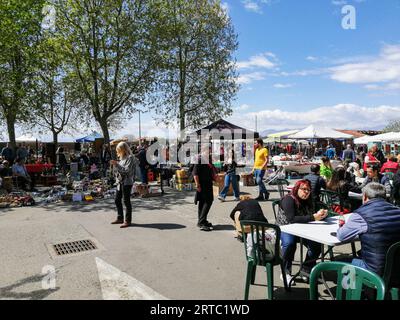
x: 359, y: 263
x: 143, y: 174
x: 259, y: 175
x: 203, y: 210
x: 228, y: 179
x: 125, y: 193
x: 289, y: 244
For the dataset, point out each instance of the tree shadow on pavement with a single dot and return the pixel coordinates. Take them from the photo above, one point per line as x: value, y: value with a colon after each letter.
x: 9, y: 293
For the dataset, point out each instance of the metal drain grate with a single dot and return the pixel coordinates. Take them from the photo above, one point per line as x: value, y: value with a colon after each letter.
x: 63, y: 249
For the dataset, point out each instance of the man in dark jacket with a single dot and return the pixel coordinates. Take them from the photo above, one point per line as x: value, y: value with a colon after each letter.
x: 377, y: 223
x: 317, y: 183
x: 8, y: 154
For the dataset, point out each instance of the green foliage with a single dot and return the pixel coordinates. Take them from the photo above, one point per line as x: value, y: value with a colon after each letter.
x: 20, y: 27
x: 197, y: 74
x: 109, y: 46
x: 393, y: 125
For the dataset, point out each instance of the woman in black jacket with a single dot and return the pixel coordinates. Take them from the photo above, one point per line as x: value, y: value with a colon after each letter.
x: 297, y: 207
x: 339, y: 184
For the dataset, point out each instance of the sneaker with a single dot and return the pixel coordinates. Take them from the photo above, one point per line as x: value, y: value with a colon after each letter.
x: 205, y: 228
x: 221, y: 198
x: 236, y: 199
x: 288, y: 278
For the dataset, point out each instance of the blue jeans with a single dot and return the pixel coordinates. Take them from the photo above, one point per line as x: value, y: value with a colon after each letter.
x: 143, y: 174
x: 289, y: 244
x: 228, y: 179
x: 259, y: 175
x: 359, y: 263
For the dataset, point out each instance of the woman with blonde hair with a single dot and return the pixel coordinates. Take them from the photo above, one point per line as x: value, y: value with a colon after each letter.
x: 124, y: 171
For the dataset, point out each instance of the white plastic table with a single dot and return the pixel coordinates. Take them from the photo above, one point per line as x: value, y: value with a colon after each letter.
x: 323, y: 232
x: 318, y: 231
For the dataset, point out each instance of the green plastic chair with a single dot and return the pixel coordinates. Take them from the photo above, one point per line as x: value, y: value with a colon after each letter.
x: 261, y: 256
x: 391, y: 274
x: 353, y: 291
x: 280, y: 183
x: 276, y: 207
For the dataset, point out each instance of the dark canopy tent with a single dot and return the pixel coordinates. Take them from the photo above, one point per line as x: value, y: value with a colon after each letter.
x: 221, y: 125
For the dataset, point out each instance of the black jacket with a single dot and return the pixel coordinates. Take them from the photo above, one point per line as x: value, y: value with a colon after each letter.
x: 317, y: 183
x: 249, y: 210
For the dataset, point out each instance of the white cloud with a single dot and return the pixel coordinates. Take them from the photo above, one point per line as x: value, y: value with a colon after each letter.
x: 339, y: 2
x: 264, y: 60
x: 283, y: 86
x: 250, y: 77
x: 243, y: 107
x: 311, y: 58
x: 341, y: 116
x: 382, y: 69
x: 256, y: 5
x: 252, y: 6
x: 344, y: 2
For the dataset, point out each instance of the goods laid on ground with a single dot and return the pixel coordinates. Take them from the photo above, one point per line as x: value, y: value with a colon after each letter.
x: 180, y: 181
x: 152, y: 189
x: 16, y: 199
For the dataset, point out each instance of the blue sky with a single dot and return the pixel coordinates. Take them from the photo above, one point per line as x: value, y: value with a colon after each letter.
x: 299, y: 66
x: 315, y: 63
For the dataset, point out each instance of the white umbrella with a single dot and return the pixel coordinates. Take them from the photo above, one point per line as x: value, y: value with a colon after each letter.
x: 314, y: 132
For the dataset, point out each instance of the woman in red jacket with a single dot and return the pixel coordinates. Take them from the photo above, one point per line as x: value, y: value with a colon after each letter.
x: 391, y: 165
x: 370, y: 159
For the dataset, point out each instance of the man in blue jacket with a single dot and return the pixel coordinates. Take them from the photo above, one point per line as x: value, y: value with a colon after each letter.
x: 377, y: 223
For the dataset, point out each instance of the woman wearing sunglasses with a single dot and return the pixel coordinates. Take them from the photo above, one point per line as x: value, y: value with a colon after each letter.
x: 297, y: 207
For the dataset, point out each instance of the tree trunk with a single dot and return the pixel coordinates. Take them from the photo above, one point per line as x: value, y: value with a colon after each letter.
x: 55, y: 140
x: 104, y: 129
x: 11, y: 130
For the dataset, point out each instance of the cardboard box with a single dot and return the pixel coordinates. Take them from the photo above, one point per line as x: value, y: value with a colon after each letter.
x: 142, y: 189
x: 217, y: 190
x: 247, y: 179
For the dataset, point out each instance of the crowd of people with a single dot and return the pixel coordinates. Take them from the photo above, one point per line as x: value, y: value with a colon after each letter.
x: 95, y: 165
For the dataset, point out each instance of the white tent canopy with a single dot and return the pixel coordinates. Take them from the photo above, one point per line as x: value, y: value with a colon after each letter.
x: 384, y: 137
x: 314, y: 132
x: 364, y: 140
x: 27, y: 138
